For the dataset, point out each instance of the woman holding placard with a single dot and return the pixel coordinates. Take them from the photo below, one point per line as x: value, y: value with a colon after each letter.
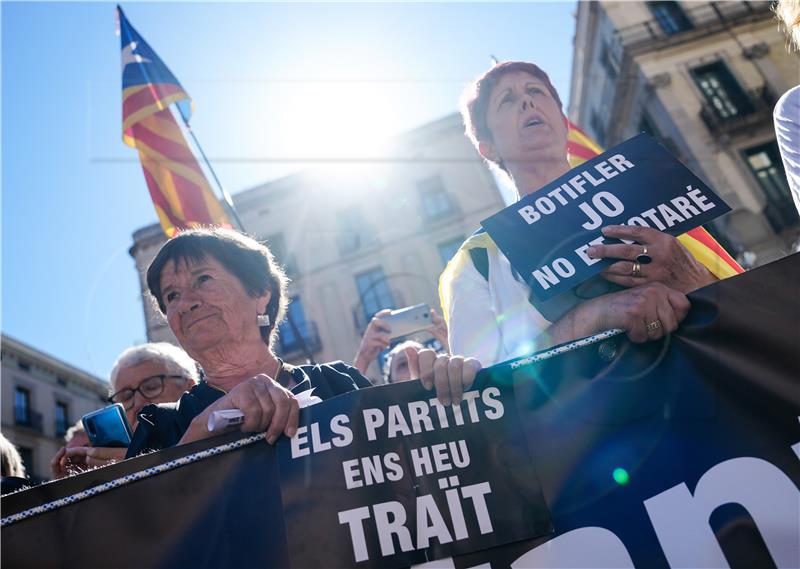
x: 513, y: 116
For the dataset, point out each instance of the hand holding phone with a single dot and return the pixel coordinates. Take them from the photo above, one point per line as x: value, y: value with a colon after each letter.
x: 405, y: 321
x: 108, y: 427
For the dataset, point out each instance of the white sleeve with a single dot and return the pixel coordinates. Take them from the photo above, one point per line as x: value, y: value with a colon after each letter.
x: 472, y: 326
x: 787, y: 133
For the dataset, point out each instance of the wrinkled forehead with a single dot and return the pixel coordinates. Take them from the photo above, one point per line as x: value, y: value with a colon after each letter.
x: 183, y: 266
x: 515, y: 78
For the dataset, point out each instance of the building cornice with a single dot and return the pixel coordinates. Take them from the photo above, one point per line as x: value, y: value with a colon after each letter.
x: 53, y: 364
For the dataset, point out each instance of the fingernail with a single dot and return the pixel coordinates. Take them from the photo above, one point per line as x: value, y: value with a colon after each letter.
x: 290, y: 432
x: 446, y: 401
x: 271, y: 439
x: 591, y: 251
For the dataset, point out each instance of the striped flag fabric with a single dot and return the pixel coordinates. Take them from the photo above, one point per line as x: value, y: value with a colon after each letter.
x: 178, y: 187
x: 580, y: 148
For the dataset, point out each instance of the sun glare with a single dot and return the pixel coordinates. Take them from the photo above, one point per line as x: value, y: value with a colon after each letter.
x: 335, y: 121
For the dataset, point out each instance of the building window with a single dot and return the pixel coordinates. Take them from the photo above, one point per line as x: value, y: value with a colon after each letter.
x: 598, y: 128
x: 24, y: 366
x: 374, y: 292
x: 721, y: 90
x: 288, y: 335
x: 670, y: 17
x: 607, y: 62
x: 62, y: 418
x: 449, y: 248
x: 22, y: 406
x: 436, y: 203
x: 354, y: 232
x: 765, y: 163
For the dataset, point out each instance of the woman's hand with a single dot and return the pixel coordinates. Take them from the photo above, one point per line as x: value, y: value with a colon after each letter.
x: 97, y: 456
x: 58, y: 466
x: 69, y: 461
x: 451, y: 375
x: 671, y: 264
x: 646, y: 312
x: 266, y: 406
x: 373, y: 342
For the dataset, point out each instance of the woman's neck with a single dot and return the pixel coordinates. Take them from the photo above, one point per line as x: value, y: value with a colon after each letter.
x: 531, y: 176
x: 251, y: 359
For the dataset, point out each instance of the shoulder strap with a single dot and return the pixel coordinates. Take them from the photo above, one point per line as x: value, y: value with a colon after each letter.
x: 480, y: 259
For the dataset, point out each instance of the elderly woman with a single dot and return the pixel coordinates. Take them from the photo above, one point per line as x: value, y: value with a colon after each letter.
x: 156, y: 372
x: 513, y: 116
x: 223, y: 296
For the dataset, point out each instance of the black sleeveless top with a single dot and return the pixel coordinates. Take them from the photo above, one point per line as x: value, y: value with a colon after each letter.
x: 161, y: 426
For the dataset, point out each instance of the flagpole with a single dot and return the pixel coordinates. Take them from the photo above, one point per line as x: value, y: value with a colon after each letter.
x: 226, y: 197
x: 229, y: 203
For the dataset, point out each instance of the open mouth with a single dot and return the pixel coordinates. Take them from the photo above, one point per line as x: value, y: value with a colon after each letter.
x: 532, y: 122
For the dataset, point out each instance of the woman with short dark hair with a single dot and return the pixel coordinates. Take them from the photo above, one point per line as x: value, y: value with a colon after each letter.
x: 513, y: 115
x: 223, y: 296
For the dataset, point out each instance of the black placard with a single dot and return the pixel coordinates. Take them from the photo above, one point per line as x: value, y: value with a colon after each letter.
x: 638, y: 182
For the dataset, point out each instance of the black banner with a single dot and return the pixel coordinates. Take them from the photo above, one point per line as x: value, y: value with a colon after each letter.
x: 684, y: 452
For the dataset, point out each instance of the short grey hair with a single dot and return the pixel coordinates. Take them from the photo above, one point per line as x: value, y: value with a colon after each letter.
x: 11, y: 461
x: 788, y: 12
x: 74, y: 430
x: 172, y: 357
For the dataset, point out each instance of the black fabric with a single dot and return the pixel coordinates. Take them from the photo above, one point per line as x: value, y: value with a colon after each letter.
x: 162, y: 426
x: 480, y: 258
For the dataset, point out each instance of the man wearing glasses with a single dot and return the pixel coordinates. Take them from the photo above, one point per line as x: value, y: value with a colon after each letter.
x: 149, y: 373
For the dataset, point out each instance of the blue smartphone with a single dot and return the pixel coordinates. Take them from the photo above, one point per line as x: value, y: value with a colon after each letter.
x: 108, y: 427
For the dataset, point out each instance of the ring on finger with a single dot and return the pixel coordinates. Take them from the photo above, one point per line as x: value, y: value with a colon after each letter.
x: 653, y: 326
x: 643, y: 258
x: 637, y: 269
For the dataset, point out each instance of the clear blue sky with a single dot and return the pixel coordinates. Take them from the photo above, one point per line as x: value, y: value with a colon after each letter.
x: 270, y: 82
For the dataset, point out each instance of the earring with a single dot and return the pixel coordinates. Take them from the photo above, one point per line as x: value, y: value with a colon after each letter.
x: 262, y: 320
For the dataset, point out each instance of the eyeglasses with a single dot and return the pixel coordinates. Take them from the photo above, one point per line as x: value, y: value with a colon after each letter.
x: 149, y: 388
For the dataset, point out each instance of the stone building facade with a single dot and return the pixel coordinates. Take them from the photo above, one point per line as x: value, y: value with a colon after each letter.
x: 41, y: 398
x: 358, y: 237
x: 703, y: 78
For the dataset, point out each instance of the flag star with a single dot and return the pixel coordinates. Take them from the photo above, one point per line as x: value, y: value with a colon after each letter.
x: 128, y: 55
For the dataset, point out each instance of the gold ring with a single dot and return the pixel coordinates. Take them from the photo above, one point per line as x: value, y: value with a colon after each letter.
x: 653, y: 326
x: 637, y: 269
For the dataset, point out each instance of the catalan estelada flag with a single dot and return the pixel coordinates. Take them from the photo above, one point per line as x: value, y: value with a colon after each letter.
x: 581, y: 148
x: 178, y: 187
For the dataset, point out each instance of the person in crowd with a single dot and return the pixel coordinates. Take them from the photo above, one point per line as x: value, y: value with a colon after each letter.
x: 223, y: 296
x: 397, y: 363
x: 11, y: 468
x: 156, y: 372
x: 62, y: 465
x: 787, y: 110
x: 376, y: 338
x: 514, y: 117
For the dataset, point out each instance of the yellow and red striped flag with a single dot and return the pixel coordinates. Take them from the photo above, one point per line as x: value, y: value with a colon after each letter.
x: 178, y: 187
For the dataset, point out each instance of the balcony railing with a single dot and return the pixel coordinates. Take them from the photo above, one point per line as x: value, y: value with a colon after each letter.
x: 29, y: 419
x: 290, y: 345
x: 760, y: 103
x: 704, y: 18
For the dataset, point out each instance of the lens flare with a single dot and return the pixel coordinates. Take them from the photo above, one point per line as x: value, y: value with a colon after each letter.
x: 621, y: 476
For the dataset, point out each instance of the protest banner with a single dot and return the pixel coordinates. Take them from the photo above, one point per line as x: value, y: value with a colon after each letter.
x: 545, y: 235
x: 682, y: 452
x: 389, y: 477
